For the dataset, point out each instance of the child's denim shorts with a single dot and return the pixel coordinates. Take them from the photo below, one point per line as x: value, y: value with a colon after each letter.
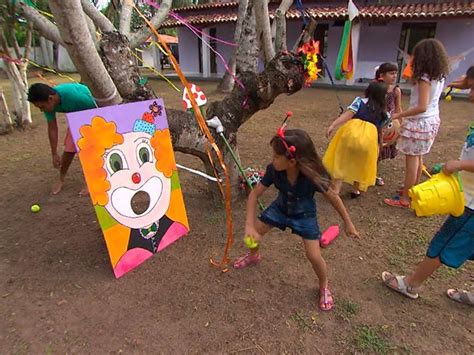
x: 454, y: 242
x: 305, y: 225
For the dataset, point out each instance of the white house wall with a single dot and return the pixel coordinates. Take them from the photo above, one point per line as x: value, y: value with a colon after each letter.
x: 457, y: 36
x: 188, y: 51
x: 378, y: 44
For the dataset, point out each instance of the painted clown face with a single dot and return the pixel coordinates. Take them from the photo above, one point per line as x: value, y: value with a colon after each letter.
x: 139, y: 194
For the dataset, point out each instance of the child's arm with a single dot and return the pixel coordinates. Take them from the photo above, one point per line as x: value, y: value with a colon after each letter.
x: 423, y: 101
x: 338, y: 205
x: 452, y: 166
x: 346, y: 116
x: 251, y: 209
x: 398, y: 100
x: 53, y: 142
x: 460, y: 83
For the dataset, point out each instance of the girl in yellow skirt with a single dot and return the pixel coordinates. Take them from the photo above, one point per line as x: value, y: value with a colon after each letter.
x: 353, y: 151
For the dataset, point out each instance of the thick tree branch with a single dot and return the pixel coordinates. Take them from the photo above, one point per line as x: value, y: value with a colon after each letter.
x: 29, y: 36
x: 263, y: 22
x: 78, y: 42
x: 280, y: 21
x: 126, y: 17
x: 141, y: 36
x: 227, y: 82
x: 45, y: 27
x: 97, y: 17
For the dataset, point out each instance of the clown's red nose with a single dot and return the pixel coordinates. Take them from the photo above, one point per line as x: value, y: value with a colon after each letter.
x: 136, y: 178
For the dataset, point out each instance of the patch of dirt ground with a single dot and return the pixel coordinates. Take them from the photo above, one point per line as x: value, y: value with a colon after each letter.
x: 58, y: 293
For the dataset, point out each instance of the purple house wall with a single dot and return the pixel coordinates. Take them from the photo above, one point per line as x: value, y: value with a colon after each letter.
x: 378, y: 43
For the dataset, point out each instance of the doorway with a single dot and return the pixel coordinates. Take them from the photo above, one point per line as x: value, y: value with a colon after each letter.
x: 411, y: 34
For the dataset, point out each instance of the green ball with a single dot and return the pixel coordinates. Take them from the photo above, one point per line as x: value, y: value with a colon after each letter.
x: 35, y: 208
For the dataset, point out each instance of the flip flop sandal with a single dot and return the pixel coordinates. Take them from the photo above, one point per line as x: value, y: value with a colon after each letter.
x: 396, y: 203
x: 355, y: 195
x: 401, y: 287
x: 325, y: 304
x: 379, y: 181
x: 461, y: 296
x: 247, y: 260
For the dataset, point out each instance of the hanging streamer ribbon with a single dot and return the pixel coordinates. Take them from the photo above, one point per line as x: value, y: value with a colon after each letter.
x: 347, y: 56
x: 51, y: 70
x: 203, y: 126
x: 196, y: 32
x: 155, y: 71
x: 343, y: 60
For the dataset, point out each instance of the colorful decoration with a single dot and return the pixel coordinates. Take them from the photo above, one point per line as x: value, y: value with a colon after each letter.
x: 390, y: 132
x: 132, y: 178
x: 347, y: 57
x: 198, y: 94
x: 253, y: 176
x: 310, y: 52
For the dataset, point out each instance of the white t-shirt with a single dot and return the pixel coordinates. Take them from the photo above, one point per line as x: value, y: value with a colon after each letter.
x: 436, y: 88
x: 467, y: 177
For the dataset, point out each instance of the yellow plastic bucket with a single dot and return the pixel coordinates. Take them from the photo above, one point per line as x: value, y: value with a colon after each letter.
x: 442, y: 194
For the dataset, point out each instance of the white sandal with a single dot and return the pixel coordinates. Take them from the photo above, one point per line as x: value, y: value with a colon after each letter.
x: 461, y: 296
x: 401, y: 287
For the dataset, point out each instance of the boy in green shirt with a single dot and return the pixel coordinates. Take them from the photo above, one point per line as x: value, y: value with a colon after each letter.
x: 68, y: 97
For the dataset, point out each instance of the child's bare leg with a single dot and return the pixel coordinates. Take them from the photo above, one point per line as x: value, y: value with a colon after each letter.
x: 261, y: 229
x: 411, y: 175
x: 420, y: 170
x: 337, y: 185
x: 424, y: 270
x: 313, y: 253
x: 66, y: 161
x: 356, y: 187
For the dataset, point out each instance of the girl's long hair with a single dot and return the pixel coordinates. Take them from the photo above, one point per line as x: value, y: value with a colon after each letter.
x: 307, y: 159
x: 376, y: 93
x: 430, y: 58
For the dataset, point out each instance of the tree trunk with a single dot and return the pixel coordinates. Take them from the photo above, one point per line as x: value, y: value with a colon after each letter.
x: 248, y: 46
x: 17, y: 75
x: 45, y: 52
x: 263, y: 22
x: 115, y: 53
x: 6, y: 124
x: 227, y: 82
x: 280, y: 24
x: 80, y: 46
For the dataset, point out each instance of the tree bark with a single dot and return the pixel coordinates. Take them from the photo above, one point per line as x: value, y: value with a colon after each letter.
x: 78, y: 42
x: 141, y: 36
x: 7, y: 123
x: 43, y: 25
x: 115, y: 53
x: 17, y: 76
x: 126, y: 17
x: 263, y: 22
x: 280, y: 21
x: 248, y: 46
x: 227, y: 82
x: 45, y: 52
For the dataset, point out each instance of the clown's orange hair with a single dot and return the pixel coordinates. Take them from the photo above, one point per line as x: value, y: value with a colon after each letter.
x: 100, y: 136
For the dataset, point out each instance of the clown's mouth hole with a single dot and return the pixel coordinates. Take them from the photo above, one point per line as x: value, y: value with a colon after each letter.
x: 140, y: 202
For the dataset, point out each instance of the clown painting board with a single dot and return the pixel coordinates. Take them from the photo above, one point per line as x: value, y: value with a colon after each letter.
x: 130, y: 170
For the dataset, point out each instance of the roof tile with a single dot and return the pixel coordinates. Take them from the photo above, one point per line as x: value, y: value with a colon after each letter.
x: 222, y: 12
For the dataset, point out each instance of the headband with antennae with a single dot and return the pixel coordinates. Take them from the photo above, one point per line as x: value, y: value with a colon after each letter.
x: 290, y: 149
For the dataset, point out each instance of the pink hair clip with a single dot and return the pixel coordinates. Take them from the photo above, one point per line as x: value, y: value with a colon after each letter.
x: 291, y: 149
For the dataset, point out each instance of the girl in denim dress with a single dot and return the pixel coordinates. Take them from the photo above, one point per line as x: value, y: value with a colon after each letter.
x: 297, y: 172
